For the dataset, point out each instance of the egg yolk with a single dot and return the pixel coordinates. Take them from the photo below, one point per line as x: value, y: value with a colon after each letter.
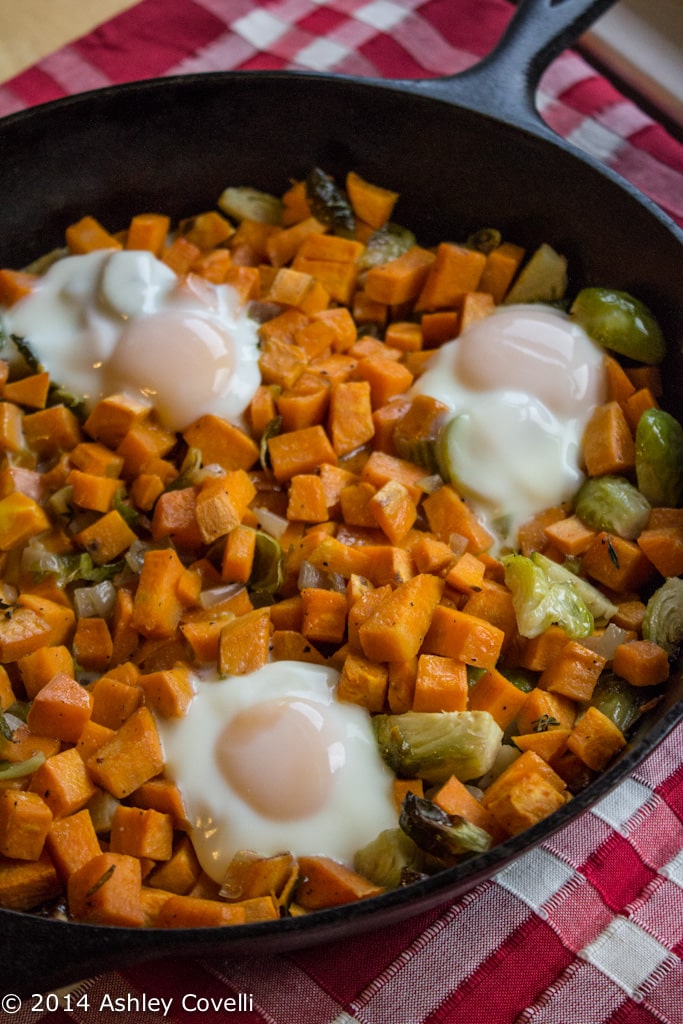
x: 534, y: 351
x: 181, y: 362
x: 521, y: 385
x: 276, y: 758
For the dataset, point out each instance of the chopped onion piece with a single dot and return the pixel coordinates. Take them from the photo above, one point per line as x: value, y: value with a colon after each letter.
x: 95, y: 601
x: 271, y: 522
x: 216, y: 595
x: 606, y: 644
x: 311, y: 576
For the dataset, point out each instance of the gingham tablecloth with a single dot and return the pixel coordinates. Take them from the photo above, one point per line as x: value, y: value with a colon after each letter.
x: 587, y: 928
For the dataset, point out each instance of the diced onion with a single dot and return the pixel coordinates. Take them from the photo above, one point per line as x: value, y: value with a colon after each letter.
x: 216, y: 595
x: 606, y: 644
x: 95, y: 601
x: 271, y: 522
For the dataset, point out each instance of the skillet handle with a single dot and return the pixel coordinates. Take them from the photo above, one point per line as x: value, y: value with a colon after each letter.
x: 504, y: 82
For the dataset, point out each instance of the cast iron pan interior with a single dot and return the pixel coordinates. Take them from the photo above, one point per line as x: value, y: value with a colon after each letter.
x: 464, y: 153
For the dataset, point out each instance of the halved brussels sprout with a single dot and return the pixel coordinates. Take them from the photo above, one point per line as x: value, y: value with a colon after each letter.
x: 617, y: 699
x: 612, y: 503
x: 659, y: 458
x: 620, y: 323
x: 435, y: 745
x: 387, y: 858
x: 387, y: 243
x: 447, y: 837
x: 244, y: 203
x: 541, y: 602
x: 663, y: 620
x: 329, y: 204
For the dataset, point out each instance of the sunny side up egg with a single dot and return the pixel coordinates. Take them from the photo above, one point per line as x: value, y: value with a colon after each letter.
x: 272, y: 762
x: 122, y: 321
x: 521, y: 385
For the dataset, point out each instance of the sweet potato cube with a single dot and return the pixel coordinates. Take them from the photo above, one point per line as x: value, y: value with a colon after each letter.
x: 111, y: 419
x: 38, y: 668
x: 20, y: 519
x: 221, y: 504
x: 306, y: 501
x: 221, y: 443
x: 168, y: 691
x: 114, y: 700
x: 456, y: 634
x: 440, y: 684
x: 394, y: 510
x: 63, y: 782
x: 595, y: 739
x: 641, y: 663
x: 58, y: 615
x: 363, y: 682
x: 608, y: 445
x: 456, y: 270
x: 195, y: 912
x: 25, y: 884
x: 107, y: 538
x: 448, y: 514
x: 396, y: 629
x: 61, y: 708
x: 542, y: 709
x: 325, y: 883
x: 161, y: 794
x: 455, y: 798
x: 324, y: 615
x: 25, y: 821
x: 107, y: 890
x: 53, y: 430
x: 131, y: 757
x: 92, y: 643
x: 157, y: 607
x: 243, y: 643
x: 180, y: 873
x: 350, y: 418
x: 141, y: 832
x: 72, y: 842
x: 573, y: 672
x: 494, y: 693
x: 524, y: 804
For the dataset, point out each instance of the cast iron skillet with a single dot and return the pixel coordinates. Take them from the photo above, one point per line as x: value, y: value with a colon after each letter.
x: 464, y: 152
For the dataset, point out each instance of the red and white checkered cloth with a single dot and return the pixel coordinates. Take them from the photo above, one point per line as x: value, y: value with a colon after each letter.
x: 586, y: 929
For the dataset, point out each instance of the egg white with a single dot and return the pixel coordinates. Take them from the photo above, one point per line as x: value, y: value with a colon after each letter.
x: 358, y: 791
x: 112, y: 321
x: 521, y: 385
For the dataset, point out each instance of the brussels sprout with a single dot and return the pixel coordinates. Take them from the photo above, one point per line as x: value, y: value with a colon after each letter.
x: 20, y: 769
x: 485, y: 240
x: 266, y: 573
x: 387, y: 858
x: 543, y: 279
x: 612, y: 503
x: 663, y: 620
x: 387, y: 243
x: 519, y: 677
x: 659, y: 458
x: 244, y: 203
x: 617, y: 699
x: 447, y: 837
x: 541, y: 602
x: 600, y: 607
x: 435, y: 745
x: 191, y: 465
x: 329, y: 204
x: 619, y: 322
